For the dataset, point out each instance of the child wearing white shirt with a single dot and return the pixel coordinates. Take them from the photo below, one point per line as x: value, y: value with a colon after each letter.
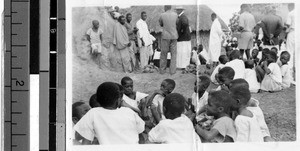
x: 110, y: 123
x: 176, y: 128
x: 94, y: 36
x: 236, y: 64
x: 250, y: 76
x: 223, y: 59
x: 285, y: 69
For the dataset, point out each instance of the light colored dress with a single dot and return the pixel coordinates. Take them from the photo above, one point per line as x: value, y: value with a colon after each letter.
x: 248, y: 129
x: 225, y: 126
x: 286, y: 76
x: 250, y: 77
x: 215, y: 40
x: 273, y: 80
x: 238, y: 66
x: 95, y: 40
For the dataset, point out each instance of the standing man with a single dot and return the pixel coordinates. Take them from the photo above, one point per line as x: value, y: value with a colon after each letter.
x: 272, y: 27
x: 144, y: 40
x: 290, y: 41
x: 215, y: 39
x: 132, y: 38
x: 246, y: 26
x: 122, y: 60
x: 184, y: 39
x: 168, y: 21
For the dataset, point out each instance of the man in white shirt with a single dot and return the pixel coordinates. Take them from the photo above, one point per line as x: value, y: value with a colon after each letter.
x: 215, y: 39
x: 144, y: 40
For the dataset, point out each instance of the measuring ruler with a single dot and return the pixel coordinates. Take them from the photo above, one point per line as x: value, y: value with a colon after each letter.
x: 16, y: 75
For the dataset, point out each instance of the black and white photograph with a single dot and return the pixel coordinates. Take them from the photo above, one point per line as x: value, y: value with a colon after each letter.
x: 186, y: 75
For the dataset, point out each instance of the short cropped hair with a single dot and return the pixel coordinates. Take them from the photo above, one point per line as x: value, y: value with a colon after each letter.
x: 221, y: 98
x: 124, y: 79
x: 249, y: 64
x: 74, y: 108
x: 120, y: 17
x: 273, y: 55
x: 222, y: 59
x: 235, y: 54
x: 285, y: 53
x: 227, y: 72
x: 240, y: 93
x: 108, y: 94
x: 143, y: 12
x: 93, y: 101
x: 174, y: 104
x: 171, y: 82
x: 238, y: 83
x: 214, y: 15
x: 168, y: 7
x: 205, y: 80
x: 128, y: 14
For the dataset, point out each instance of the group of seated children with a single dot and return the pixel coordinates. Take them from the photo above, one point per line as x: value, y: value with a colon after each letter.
x: 120, y: 115
x: 264, y: 71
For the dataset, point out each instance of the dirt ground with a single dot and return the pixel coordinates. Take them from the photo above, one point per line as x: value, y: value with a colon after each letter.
x: 279, y: 108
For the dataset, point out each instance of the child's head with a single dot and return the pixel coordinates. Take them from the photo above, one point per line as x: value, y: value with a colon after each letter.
x: 219, y: 102
x: 254, y: 53
x: 173, y: 105
x: 79, y: 109
x: 264, y: 53
x: 225, y: 75
x: 109, y: 95
x: 127, y: 84
x: 201, y: 84
x: 95, y: 24
x: 274, y: 49
x: 285, y: 57
x: 241, y: 95
x: 93, y: 101
x: 235, y: 54
x: 223, y: 59
x: 167, y: 86
x: 237, y: 83
x: 271, y: 57
x: 249, y: 64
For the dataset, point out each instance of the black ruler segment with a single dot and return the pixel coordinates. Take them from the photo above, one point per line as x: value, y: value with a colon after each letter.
x: 53, y: 75
x: 34, y: 36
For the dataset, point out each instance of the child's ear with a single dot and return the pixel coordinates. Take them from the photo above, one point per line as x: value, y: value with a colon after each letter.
x: 75, y: 120
x: 238, y: 101
x: 221, y: 109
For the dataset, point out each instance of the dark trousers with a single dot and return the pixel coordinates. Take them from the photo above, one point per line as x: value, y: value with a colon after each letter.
x: 168, y: 45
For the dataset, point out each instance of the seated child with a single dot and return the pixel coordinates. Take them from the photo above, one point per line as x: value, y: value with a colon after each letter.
x: 176, y: 128
x: 272, y: 80
x: 254, y: 56
x: 93, y: 101
x: 253, y: 106
x: 199, y: 100
x: 223, y: 59
x: 132, y: 98
x: 79, y: 109
x: 285, y: 69
x: 94, y: 36
x: 236, y: 64
x: 202, y: 54
x: 223, y: 130
x: 108, y: 118
x: 157, y: 98
x: 260, y: 73
x: 194, y: 57
x: 247, y: 127
x: 250, y: 76
x: 225, y: 75
x: 274, y: 49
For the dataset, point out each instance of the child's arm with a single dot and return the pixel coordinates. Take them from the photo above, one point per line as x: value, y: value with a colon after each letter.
x: 155, y: 113
x: 124, y: 104
x: 207, y: 135
x: 86, y: 142
x: 265, y: 67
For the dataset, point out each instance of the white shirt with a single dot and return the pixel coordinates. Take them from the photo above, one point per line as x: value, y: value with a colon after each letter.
x: 178, y: 130
x: 247, y: 129
x: 275, y: 72
x: 95, y: 36
x: 291, y: 19
x: 238, y: 66
x: 119, y: 126
x: 136, y: 102
x: 143, y: 32
x: 260, y: 118
x: 286, y: 76
x: 250, y: 77
x: 158, y: 101
x: 225, y: 126
x: 199, y: 103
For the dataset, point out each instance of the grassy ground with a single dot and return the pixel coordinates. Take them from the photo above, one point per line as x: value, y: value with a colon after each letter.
x: 279, y: 108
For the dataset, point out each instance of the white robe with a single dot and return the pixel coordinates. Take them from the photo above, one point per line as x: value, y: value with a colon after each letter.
x: 215, y: 39
x: 183, y: 53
